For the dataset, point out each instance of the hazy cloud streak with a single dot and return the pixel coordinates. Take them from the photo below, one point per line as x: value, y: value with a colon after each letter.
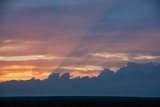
x: 83, y: 68
x: 126, y: 56
x: 28, y: 58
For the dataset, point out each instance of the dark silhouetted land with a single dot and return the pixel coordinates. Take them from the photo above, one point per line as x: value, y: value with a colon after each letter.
x: 79, y: 102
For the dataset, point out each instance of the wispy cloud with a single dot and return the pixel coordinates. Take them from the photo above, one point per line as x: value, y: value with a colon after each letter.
x: 126, y: 56
x: 63, y: 34
x: 28, y: 58
x: 118, y: 56
x: 145, y: 57
x: 24, y: 67
x: 83, y: 68
x: 17, y: 67
x: 15, y: 45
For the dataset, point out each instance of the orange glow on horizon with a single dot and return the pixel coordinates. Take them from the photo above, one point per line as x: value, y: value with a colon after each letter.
x: 27, y: 75
x: 27, y: 72
x: 24, y: 72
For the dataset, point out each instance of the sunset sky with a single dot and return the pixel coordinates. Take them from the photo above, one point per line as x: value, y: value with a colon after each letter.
x: 82, y: 37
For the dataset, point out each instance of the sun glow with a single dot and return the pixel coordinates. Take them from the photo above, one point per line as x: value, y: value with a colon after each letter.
x: 26, y: 75
x: 24, y: 72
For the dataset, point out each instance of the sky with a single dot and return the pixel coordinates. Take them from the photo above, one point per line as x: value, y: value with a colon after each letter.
x: 81, y: 37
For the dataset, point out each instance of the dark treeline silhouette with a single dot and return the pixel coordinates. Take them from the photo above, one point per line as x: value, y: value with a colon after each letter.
x: 135, y: 80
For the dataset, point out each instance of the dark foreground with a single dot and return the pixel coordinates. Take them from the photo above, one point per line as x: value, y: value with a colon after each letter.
x: 78, y: 102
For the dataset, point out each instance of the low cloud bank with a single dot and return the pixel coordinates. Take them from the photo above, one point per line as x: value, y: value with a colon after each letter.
x: 136, y: 80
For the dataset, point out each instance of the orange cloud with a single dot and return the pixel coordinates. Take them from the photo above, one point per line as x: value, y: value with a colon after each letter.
x: 83, y: 68
x: 17, y: 67
x: 24, y: 67
x: 28, y: 58
x: 24, y: 72
x: 80, y: 74
x: 25, y: 75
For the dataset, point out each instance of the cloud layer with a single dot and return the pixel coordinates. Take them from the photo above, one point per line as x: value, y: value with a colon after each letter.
x: 134, y: 80
x: 77, y: 34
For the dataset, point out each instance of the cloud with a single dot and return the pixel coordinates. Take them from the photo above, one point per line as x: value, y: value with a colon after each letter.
x: 24, y: 71
x: 55, y: 31
x: 17, y: 67
x: 22, y: 75
x: 22, y: 67
x: 27, y: 58
x: 17, y: 45
x: 83, y: 68
x: 118, y: 56
x: 146, y: 57
x: 79, y: 70
x: 133, y: 80
x: 126, y: 56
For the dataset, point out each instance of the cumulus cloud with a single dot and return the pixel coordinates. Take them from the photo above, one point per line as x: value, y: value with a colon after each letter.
x: 140, y: 80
